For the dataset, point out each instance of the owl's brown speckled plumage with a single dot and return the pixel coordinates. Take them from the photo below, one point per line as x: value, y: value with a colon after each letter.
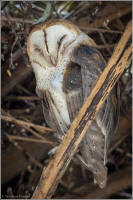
x: 67, y: 67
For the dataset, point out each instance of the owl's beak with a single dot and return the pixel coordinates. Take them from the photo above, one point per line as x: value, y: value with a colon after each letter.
x: 53, y: 61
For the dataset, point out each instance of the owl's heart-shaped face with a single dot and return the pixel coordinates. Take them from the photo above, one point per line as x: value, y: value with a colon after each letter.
x: 48, y: 44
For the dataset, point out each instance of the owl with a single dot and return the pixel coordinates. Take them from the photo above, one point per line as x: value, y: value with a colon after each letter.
x: 67, y: 64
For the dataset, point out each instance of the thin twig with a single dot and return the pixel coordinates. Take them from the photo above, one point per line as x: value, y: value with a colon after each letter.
x: 20, y: 87
x: 105, y: 46
x: 27, y: 139
x: 26, y: 153
x: 92, y: 29
x: 116, y: 15
x: 37, y: 7
x: 35, y: 133
x: 11, y: 119
x: 11, y: 60
x: 14, y: 31
x: 17, y: 19
x: 104, y: 42
x: 122, y: 151
x: 41, y: 137
x: 63, y: 7
x: 105, y: 19
x: 54, y: 9
x: 22, y: 98
x: 46, y: 14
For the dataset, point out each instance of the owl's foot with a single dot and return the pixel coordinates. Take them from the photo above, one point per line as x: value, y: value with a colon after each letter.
x: 59, y: 137
x: 52, y: 151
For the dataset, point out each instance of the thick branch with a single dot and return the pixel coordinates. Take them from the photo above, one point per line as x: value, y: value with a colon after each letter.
x: 56, y: 168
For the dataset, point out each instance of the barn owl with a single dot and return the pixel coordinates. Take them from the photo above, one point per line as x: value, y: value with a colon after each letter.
x: 66, y: 66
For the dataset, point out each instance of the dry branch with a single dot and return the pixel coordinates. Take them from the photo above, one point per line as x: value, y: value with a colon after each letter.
x: 35, y: 133
x: 105, y: 18
x: 56, y: 168
x: 14, y: 137
x: 104, y: 42
x: 20, y: 87
x: 17, y: 20
x: 92, y: 29
x: 22, y: 98
x: 11, y: 119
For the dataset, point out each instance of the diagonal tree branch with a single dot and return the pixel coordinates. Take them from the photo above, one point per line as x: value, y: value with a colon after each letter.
x: 52, y: 174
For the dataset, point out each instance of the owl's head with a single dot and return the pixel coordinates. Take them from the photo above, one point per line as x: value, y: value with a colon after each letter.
x: 49, y: 43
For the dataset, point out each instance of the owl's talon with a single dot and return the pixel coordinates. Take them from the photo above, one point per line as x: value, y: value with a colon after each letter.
x: 52, y: 151
x: 59, y: 136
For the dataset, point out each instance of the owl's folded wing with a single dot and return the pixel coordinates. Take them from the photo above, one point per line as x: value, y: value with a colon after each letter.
x: 80, y: 77
x: 50, y: 112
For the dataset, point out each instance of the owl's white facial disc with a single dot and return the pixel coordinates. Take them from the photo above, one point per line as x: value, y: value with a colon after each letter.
x: 47, y: 45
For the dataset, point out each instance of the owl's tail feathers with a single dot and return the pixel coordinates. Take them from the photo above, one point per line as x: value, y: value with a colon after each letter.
x: 99, y: 171
x: 101, y: 177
